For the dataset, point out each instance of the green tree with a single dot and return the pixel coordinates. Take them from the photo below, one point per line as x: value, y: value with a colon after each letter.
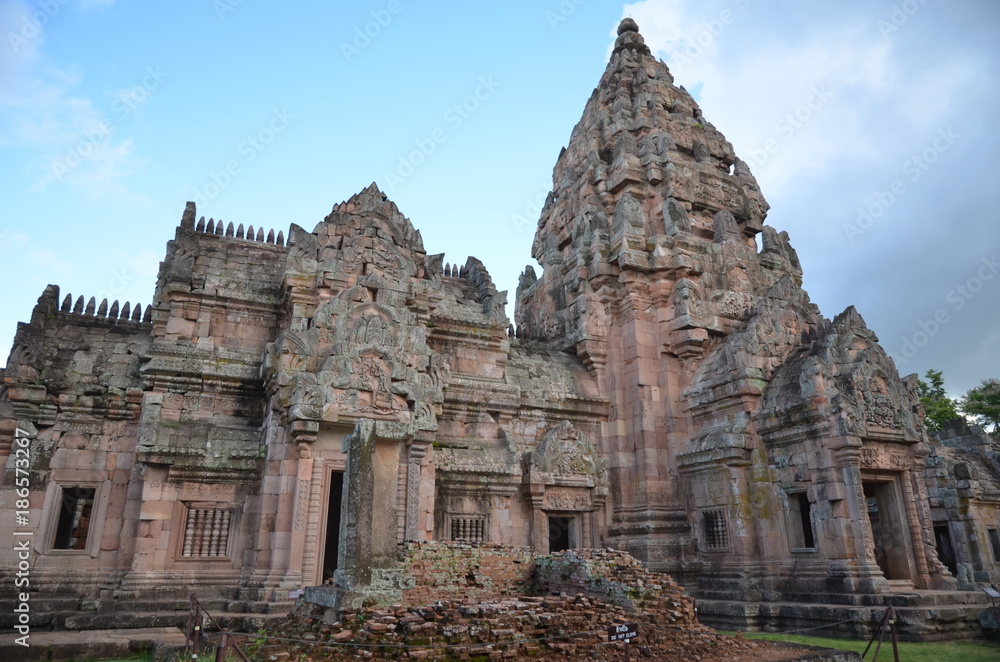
x: 938, y: 407
x: 983, y: 402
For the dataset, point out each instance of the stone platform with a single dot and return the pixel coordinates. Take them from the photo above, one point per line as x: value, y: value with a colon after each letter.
x: 920, y: 615
x: 163, y: 642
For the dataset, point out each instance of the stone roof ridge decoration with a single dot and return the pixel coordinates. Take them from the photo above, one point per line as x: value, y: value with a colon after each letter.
x: 114, y: 313
x: 563, y: 452
x: 842, y: 365
x: 775, y: 327
x: 960, y: 433
x: 48, y: 305
x: 730, y: 434
x: 26, y: 359
x: 435, y: 267
x: 213, y: 227
x: 494, y: 302
x: 374, y: 206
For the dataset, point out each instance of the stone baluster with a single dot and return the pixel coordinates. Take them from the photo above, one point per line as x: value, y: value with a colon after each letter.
x: 189, y: 533
x: 213, y: 540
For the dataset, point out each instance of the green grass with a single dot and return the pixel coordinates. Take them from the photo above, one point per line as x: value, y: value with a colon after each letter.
x: 937, y: 651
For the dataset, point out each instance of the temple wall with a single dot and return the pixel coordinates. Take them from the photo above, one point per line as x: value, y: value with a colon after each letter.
x: 73, y: 390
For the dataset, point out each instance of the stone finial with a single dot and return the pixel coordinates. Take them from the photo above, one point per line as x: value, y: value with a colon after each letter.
x: 47, y: 305
x: 187, y: 220
x: 218, y: 228
x: 136, y: 312
x: 102, y: 310
x: 67, y: 303
x: 147, y: 317
x: 281, y: 238
x: 113, y: 311
x: 78, y: 306
x: 260, y: 234
x: 628, y: 24
x: 239, y: 231
x: 629, y: 38
x: 229, y: 228
x: 126, y: 311
x: 210, y: 228
x: 270, y: 237
x: 201, y: 225
x: 91, y: 306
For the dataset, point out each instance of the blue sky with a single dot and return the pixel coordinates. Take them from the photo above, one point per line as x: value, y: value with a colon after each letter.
x: 870, y: 126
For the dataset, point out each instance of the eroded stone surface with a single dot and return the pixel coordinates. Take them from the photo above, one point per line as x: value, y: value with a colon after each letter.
x: 669, y: 390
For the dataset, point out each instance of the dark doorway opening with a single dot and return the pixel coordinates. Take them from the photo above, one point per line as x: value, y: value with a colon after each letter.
x: 876, y: 522
x: 73, y: 525
x: 890, y: 536
x: 945, y: 550
x: 805, y: 518
x: 558, y: 534
x: 332, y: 548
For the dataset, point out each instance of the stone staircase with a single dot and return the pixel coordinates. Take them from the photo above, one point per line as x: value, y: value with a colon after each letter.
x: 72, y: 628
x: 920, y: 615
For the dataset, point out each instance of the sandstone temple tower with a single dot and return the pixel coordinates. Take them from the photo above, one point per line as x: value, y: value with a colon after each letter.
x: 284, y: 414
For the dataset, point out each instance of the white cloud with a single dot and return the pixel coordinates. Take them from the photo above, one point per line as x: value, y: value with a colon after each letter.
x: 760, y: 90
x: 9, y: 239
x: 42, y: 109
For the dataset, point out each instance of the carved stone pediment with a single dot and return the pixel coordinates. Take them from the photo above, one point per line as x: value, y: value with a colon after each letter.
x: 564, y: 456
x: 359, y: 358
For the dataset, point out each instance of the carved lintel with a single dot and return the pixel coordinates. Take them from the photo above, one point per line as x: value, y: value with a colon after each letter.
x: 567, y: 499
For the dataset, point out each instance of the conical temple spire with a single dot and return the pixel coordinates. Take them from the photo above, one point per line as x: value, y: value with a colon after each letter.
x: 644, y: 182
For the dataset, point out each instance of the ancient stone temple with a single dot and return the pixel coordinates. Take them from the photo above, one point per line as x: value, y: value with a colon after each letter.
x: 285, y: 413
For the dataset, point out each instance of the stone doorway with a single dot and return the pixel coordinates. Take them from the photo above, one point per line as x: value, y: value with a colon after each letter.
x: 560, y: 538
x: 331, y: 534
x: 889, y: 531
x: 945, y: 549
